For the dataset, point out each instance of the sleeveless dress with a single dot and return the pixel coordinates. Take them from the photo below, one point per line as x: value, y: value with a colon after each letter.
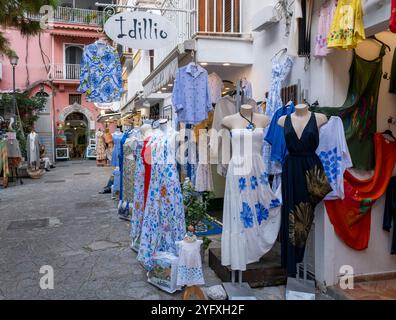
x: 251, y: 217
x: 163, y: 220
x: 304, y: 185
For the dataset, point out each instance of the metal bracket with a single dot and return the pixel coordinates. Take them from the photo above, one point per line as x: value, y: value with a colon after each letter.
x: 134, y: 7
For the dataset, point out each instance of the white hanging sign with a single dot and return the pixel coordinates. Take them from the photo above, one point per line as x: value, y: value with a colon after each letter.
x: 140, y: 30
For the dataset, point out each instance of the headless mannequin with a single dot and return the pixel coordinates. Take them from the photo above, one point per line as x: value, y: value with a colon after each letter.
x: 237, y: 121
x: 146, y: 130
x: 301, y: 117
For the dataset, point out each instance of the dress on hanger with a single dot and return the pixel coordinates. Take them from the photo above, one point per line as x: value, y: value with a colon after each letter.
x: 326, y: 15
x: 129, y: 166
x: 280, y: 70
x: 359, y: 111
x: 115, y: 158
x: 304, y: 185
x: 203, y: 175
x: 251, y: 216
x: 147, y: 160
x: 138, y: 194
x: 392, y: 20
x: 100, y: 146
x: 163, y: 220
x: 347, y: 28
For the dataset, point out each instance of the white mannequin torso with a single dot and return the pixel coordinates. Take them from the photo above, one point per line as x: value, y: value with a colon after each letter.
x: 236, y: 121
x: 300, y: 119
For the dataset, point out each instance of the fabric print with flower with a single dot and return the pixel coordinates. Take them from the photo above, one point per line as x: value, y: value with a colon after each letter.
x: 317, y: 184
x: 247, y: 216
x: 164, y: 220
x: 242, y: 184
x: 262, y: 213
x: 101, y: 76
x: 253, y: 183
x: 264, y: 179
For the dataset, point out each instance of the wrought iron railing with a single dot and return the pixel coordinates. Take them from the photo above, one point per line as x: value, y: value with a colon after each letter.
x: 60, y: 71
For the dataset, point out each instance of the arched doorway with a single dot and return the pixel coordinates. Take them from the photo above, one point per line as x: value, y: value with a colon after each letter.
x: 77, y: 134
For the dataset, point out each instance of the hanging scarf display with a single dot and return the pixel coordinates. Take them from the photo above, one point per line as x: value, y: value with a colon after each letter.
x: 392, y: 20
x: 359, y: 112
x: 351, y: 217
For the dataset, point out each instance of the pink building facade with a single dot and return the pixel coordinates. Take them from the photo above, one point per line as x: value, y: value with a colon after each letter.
x: 49, y: 64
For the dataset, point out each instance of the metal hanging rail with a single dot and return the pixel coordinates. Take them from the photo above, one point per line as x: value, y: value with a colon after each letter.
x: 107, y: 5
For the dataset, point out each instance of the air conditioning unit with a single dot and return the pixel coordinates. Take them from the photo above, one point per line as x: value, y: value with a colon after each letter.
x: 1, y: 71
x: 265, y: 18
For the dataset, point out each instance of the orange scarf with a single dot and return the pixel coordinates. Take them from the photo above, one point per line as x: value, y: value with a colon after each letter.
x: 351, y: 217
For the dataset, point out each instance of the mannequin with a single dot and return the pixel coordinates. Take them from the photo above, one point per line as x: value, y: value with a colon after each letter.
x: 146, y: 130
x: 33, y: 149
x: 301, y: 117
x: 246, y: 115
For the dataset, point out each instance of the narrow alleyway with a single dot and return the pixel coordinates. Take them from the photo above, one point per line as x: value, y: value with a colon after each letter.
x: 81, y: 237
x: 62, y: 221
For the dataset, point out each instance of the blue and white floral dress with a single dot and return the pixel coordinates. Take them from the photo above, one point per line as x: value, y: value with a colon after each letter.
x: 163, y: 220
x: 251, y: 217
x: 138, y: 196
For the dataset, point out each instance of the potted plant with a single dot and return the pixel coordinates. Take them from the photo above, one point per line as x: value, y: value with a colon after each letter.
x: 196, y: 210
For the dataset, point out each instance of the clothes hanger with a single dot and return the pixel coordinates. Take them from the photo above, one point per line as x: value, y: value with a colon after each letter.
x: 374, y: 37
x: 389, y: 131
x: 284, y: 50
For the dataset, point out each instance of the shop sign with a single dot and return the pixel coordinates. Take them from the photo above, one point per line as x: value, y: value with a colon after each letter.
x: 140, y: 30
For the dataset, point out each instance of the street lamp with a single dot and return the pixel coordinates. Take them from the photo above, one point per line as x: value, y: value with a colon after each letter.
x: 14, y: 62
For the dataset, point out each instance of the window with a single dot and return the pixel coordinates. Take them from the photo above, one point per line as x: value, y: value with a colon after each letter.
x: 74, y: 98
x: 47, y: 105
x: 73, y: 57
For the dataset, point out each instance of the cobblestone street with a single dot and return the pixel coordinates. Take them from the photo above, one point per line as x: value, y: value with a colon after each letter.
x: 84, y: 240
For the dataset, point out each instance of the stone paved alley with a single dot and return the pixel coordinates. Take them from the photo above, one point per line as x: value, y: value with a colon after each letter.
x: 83, y: 240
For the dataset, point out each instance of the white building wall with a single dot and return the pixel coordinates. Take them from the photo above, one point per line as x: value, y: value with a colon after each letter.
x: 326, y: 80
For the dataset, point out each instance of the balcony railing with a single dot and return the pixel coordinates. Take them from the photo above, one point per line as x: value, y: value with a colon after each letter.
x: 65, y: 72
x: 214, y: 18
x: 75, y: 16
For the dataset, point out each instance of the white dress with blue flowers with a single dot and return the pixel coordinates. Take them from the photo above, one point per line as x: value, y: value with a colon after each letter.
x: 163, y: 220
x: 251, y: 217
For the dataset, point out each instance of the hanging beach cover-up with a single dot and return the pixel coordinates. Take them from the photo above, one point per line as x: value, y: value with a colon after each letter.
x: 351, y: 217
x: 359, y: 112
x: 347, y: 29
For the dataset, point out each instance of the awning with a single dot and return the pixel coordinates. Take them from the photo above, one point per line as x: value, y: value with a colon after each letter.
x: 110, y: 117
x: 161, y: 76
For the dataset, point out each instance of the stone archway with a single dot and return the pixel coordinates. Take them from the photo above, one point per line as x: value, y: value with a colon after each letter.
x: 79, y: 108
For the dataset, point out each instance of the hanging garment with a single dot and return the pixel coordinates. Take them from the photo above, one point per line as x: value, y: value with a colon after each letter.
x: 215, y: 86
x: 121, y: 162
x: 100, y: 146
x: 247, y: 89
x: 351, y: 217
x: 191, y: 96
x: 359, y: 111
x: 347, y: 28
x: 334, y: 154
x: 280, y: 70
x: 326, y: 15
x: 219, y: 143
x: 390, y: 212
x: 4, y: 159
x: 115, y: 157
x: 147, y: 160
x: 163, y: 221
x: 304, y: 185
x: 204, y: 179
x: 276, y: 137
x: 13, y: 148
x: 392, y: 21
x: 189, y: 267
x: 101, y: 77
x: 128, y: 168
x: 138, y: 195
x: 251, y: 216
x: 33, y: 149
x: 293, y: 42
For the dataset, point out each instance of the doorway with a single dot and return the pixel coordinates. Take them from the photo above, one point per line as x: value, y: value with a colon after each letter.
x: 77, y: 134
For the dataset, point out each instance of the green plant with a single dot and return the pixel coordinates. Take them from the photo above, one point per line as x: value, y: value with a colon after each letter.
x: 196, y: 208
x: 27, y: 109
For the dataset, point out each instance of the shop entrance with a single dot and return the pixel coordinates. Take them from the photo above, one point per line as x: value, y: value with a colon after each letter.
x: 77, y: 134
